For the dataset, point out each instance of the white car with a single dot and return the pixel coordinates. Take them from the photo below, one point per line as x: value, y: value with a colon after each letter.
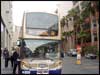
x: 72, y: 52
x: 90, y: 56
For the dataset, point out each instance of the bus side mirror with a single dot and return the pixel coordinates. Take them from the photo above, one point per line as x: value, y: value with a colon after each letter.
x: 18, y: 43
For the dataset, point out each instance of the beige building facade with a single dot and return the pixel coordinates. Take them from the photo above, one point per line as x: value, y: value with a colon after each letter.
x: 16, y: 34
x: 6, y: 24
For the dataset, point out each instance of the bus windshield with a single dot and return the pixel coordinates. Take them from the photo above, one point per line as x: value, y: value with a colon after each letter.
x: 41, y: 24
x: 40, y: 49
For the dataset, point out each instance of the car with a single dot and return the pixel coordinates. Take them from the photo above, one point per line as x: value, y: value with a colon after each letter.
x: 72, y: 52
x: 90, y: 56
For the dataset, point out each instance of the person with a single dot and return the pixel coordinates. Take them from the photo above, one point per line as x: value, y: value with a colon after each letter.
x: 11, y: 58
x: 15, y: 59
x: 6, y: 56
x: 62, y: 54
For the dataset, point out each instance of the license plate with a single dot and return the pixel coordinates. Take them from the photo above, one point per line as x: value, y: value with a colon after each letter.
x: 42, y: 71
x: 26, y: 72
x: 42, y: 65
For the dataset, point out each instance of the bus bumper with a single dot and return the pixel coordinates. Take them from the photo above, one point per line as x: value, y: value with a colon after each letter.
x: 57, y: 71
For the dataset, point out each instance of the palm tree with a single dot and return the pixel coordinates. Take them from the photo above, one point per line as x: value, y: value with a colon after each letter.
x: 77, y: 22
x: 63, y: 38
x: 62, y: 22
x: 82, y: 35
x: 73, y: 14
x: 66, y: 35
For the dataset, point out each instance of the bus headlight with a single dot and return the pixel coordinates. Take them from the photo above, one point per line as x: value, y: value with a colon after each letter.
x: 25, y: 65
x: 56, y: 64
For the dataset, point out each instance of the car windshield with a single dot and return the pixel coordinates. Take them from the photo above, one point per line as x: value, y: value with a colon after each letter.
x: 40, y: 49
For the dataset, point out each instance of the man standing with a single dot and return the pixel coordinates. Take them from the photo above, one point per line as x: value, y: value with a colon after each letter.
x: 16, y: 61
x: 6, y: 56
x: 62, y: 54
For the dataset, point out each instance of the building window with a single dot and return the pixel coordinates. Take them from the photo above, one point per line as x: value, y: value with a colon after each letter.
x: 7, y: 11
x: 2, y: 35
x: 94, y: 25
x: 95, y: 36
x: 9, y: 22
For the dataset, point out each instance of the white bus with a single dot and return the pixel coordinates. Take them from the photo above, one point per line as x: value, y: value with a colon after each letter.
x: 40, y: 44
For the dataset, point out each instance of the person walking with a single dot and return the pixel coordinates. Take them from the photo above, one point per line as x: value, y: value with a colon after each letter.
x: 6, y: 57
x: 62, y: 54
x: 16, y: 60
x: 11, y: 58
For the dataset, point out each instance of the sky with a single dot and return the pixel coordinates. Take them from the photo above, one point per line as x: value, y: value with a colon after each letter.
x: 31, y: 6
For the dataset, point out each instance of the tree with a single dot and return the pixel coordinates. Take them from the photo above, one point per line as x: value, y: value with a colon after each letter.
x: 78, y: 20
x: 62, y: 22
x: 82, y: 35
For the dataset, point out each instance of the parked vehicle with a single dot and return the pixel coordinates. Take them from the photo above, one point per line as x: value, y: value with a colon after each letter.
x: 90, y: 56
x: 72, y: 52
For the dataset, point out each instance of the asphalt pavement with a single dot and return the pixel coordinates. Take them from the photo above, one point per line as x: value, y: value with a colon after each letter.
x: 87, y: 66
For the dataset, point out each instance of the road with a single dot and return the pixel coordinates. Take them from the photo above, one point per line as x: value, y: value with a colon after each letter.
x: 88, y: 66
x: 69, y: 66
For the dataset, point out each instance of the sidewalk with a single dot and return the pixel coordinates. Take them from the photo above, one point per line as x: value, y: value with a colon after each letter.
x: 4, y: 70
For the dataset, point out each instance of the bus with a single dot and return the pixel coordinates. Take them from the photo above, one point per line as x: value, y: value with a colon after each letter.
x: 40, y: 44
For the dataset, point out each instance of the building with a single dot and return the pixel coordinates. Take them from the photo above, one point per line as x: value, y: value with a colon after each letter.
x: 63, y: 8
x: 16, y: 34
x: 89, y: 10
x: 91, y: 24
x: 6, y: 24
x: 88, y: 13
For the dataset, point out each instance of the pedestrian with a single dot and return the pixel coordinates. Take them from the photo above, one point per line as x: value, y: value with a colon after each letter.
x: 62, y: 54
x: 6, y: 56
x: 16, y: 61
x: 11, y: 58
